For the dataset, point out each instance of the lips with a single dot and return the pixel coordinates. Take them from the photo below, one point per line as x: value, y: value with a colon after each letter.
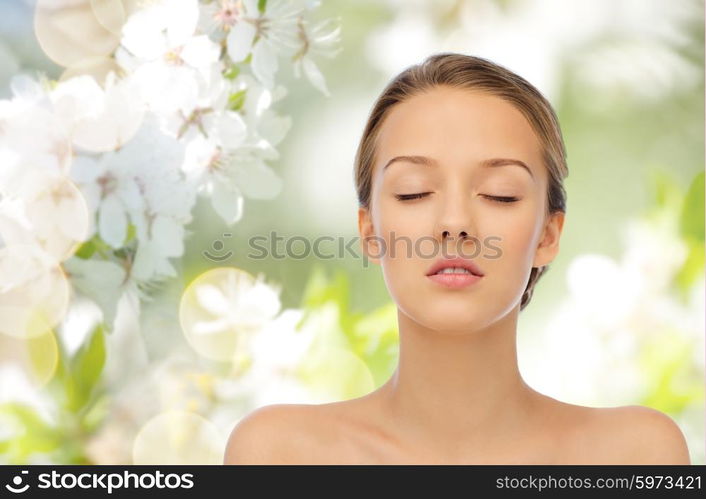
x: 456, y: 262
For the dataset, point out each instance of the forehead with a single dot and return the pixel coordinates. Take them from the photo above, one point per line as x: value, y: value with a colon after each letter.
x: 458, y: 125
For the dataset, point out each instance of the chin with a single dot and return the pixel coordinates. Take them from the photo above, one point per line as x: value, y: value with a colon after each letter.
x: 455, y: 314
x: 451, y: 320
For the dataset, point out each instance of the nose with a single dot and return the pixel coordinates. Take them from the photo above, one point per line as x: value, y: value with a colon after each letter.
x: 461, y: 235
x: 454, y: 237
x: 454, y: 217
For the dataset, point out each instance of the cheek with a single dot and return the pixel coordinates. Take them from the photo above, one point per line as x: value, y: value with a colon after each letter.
x: 409, y: 246
x: 509, y: 261
x: 404, y: 226
x: 514, y: 236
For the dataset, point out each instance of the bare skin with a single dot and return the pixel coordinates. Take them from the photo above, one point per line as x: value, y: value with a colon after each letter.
x: 457, y: 395
x: 360, y: 431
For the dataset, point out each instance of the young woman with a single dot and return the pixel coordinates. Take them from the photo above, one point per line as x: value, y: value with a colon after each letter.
x: 459, y: 177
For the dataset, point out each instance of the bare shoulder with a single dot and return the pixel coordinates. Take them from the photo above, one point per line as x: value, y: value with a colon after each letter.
x: 274, y: 434
x: 652, y: 436
x: 637, y: 435
x: 262, y: 436
x: 329, y: 433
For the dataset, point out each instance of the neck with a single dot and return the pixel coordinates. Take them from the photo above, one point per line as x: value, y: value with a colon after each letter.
x: 456, y: 385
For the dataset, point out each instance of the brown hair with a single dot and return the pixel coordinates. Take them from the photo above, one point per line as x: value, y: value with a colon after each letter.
x: 473, y: 73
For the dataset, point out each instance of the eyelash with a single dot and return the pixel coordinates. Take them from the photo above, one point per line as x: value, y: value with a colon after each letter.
x: 502, y: 199
x: 410, y: 197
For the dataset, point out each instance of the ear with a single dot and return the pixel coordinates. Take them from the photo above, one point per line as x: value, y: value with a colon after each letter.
x: 548, y: 246
x: 369, y: 243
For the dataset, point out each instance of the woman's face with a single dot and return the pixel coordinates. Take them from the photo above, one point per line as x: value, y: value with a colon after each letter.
x: 443, y: 139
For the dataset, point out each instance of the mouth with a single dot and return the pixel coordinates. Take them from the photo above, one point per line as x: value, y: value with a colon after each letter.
x: 455, y: 272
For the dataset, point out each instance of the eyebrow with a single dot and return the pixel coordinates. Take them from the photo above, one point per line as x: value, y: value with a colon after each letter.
x: 487, y: 163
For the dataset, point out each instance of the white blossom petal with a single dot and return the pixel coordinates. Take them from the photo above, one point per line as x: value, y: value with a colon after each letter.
x: 210, y: 327
x: 240, y: 40
x: 85, y: 169
x: 76, y: 99
x: 164, y: 268
x: 98, y: 280
x: 140, y: 36
x: 168, y: 89
x: 230, y: 129
x: 264, y: 63
x: 200, y: 52
x: 211, y: 298
x: 314, y: 75
x: 26, y: 88
x: 273, y: 128
x: 168, y: 236
x: 259, y: 303
x: 183, y: 17
x: 112, y: 222
x: 145, y: 263
x: 116, y: 119
x: 251, y: 7
x: 228, y: 202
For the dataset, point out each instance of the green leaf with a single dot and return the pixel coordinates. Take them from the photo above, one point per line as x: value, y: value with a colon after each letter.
x: 86, y: 368
x: 666, y: 191
x: 692, y: 269
x: 232, y: 73
x: 320, y: 290
x: 86, y: 250
x: 236, y: 100
x: 43, y: 352
x: 691, y: 223
x: 90, y: 359
x: 24, y: 415
x: 96, y: 414
x: 372, y: 336
x: 261, y: 6
x: 674, y: 382
x: 691, y: 229
x: 35, y: 435
x: 131, y: 233
x: 377, y: 341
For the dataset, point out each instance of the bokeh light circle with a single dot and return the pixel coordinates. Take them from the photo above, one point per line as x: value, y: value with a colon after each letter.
x: 59, y: 216
x: 38, y: 357
x: 69, y: 30
x: 97, y: 67
x: 34, y: 296
x: 178, y: 437
x: 333, y: 373
x: 117, y: 119
x: 212, y: 317
x: 42, y: 357
x: 110, y: 14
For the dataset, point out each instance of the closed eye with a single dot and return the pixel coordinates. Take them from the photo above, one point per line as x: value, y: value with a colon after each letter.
x: 419, y: 195
x: 501, y: 199
x: 409, y: 197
